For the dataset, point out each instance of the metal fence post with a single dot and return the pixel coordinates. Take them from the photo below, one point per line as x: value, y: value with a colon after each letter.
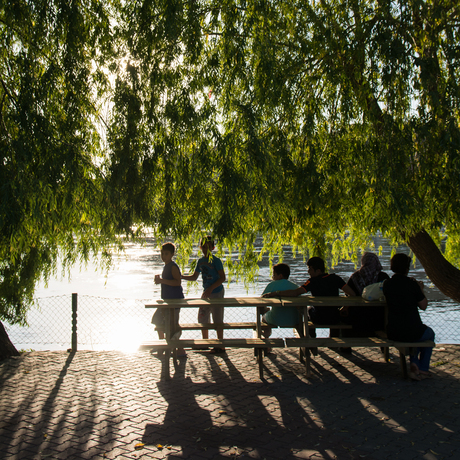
x: 74, y: 321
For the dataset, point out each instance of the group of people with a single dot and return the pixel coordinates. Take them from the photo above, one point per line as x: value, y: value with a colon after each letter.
x: 213, y: 274
x: 404, y: 297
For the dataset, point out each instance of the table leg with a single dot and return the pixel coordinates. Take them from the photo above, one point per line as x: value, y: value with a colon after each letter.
x: 260, y: 357
x: 259, y: 352
x: 402, y: 360
x: 168, y: 329
x: 306, y: 334
x: 386, y: 354
x: 259, y: 321
x: 307, y: 363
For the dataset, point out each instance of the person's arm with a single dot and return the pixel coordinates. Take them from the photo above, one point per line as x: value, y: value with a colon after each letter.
x: 176, y: 281
x: 351, y: 284
x: 192, y: 277
x: 348, y: 290
x: 221, y: 280
x: 288, y: 293
x: 422, y: 304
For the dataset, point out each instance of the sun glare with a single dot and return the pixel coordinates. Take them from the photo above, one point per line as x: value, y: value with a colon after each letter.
x: 125, y: 337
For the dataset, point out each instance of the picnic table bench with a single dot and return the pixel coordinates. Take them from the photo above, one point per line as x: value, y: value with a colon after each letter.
x: 381, y: 341
x: 258, y: 343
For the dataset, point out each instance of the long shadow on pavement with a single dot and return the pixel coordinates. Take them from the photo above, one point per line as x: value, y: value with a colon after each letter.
x: 353, y: 409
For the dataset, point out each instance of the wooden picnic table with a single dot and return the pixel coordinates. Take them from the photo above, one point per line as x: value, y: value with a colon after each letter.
x: 304, y: 343
x: 169, y: 305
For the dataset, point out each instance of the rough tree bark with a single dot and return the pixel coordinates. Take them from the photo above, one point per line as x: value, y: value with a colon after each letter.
x: 7, y: 349
x: 442, y: 273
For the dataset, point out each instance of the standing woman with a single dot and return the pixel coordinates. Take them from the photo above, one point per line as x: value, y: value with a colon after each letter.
x: 404, y: 298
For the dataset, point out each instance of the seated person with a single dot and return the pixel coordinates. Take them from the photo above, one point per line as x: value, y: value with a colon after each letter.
x: 320, y: 283
x: 369, y: 273
x: 365, y: 320
x: 280, y: 316
x: 404, y: 297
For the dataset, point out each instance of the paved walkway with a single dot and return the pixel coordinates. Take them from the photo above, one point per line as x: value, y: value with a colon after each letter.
x: 110, y: 405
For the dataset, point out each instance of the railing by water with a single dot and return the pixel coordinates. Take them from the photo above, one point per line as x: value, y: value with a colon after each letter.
x: 97, y: 323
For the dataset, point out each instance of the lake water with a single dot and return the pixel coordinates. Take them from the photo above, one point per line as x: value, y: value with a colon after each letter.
x: 111, y: 314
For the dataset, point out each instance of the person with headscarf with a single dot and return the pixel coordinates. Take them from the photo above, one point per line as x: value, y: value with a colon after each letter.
x: 365, y: 320
x: 369, y: 273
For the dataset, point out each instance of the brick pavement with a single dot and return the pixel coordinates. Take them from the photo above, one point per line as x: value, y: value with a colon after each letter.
x: 110, y: 405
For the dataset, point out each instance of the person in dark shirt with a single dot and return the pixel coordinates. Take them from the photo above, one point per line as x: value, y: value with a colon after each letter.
x: 404, y: 298
x: 320, y: 283
x: 170, y: 281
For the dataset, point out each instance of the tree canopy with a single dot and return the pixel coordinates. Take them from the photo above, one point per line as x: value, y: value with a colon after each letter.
x: 52, y: 189
x: 314, y: 124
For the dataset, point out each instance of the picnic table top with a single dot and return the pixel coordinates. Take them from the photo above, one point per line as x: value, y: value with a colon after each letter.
x: 301, y: 301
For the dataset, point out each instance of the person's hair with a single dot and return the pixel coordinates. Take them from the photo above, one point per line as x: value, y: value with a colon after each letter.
x: 316, y: 263
x: 169, y: 247
x: 400, y: 263
x: 282, y: 269
x: 207, y: 239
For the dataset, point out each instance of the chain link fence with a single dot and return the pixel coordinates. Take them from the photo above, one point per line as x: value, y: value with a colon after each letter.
x: 120, y: 324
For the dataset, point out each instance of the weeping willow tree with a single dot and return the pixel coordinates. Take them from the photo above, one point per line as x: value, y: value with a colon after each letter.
x: 53, y: 202
x: 312, y: 123
x: 307, y: 122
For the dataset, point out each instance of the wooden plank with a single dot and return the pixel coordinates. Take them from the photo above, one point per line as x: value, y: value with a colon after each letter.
x: 225, y: 302
x: 330, y: 301
x: 426, y: 343
x: 352, y: 342
x: 199, y: 326
x: 332, y: 342
x: 154, y: 345
x: 329, y: 326
x: 231, y: 343
x: 236, y: 302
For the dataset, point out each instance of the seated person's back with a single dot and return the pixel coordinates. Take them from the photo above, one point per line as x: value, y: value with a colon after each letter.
x: 281, y: 316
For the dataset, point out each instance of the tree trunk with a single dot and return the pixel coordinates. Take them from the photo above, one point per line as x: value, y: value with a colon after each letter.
x: 7, y: 349
x: 442, y: 273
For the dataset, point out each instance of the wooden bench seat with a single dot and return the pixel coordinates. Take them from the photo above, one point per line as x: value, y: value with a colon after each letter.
x: 215, y: 326
x: 255, y: 343
x: 252, y: 325
x: 337, y: 342
x: 231, y: 343
x: 329, y: 326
